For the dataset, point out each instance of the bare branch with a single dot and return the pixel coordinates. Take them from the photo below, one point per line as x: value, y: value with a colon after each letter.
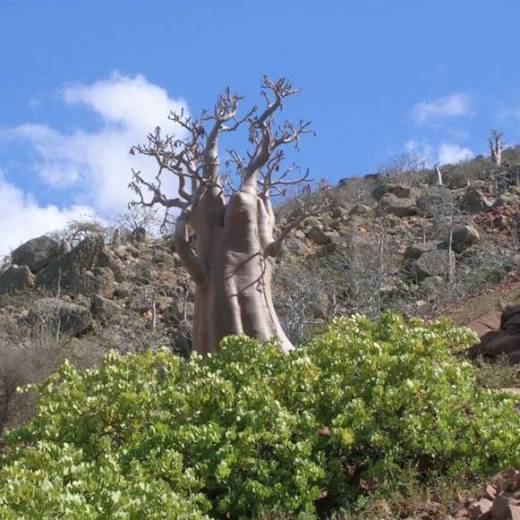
x: 261, y: 128
x: 157, y: 198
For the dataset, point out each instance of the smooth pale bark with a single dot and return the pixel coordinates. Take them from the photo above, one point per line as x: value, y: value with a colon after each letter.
x: 439, y: 175
x: 496, y: 147
x: 232, y: 271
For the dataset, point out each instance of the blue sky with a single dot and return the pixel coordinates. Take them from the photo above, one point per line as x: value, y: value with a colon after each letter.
x: 83, y: 81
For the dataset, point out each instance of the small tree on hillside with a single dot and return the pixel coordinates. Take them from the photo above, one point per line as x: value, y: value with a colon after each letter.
x: 234, y: 248
x: 138, y: 217
x: 438, y: 174
x: 496, y: 146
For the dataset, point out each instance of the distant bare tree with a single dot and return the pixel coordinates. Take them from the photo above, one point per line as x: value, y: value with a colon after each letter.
x: 439, y: 175
x: 496, y: 146
x: 136, y: 217
x: 363, y: 269
x: 77, y: 230
x: 305, y: 296
x: 405, y: 168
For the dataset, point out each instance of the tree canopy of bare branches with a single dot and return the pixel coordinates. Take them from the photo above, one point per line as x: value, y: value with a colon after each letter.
x: 225, y: 236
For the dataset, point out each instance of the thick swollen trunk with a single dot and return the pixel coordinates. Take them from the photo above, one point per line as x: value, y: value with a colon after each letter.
x: 234, y: 294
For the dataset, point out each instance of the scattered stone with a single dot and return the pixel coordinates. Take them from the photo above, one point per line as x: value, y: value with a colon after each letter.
x: 478, y: 183
x: 506, y: 199
x: 122, y: 292
x: 15, y: 278
x: 490, y: 492
x: 337, y: 225
x: 36, y: 253
x: 436, y: 199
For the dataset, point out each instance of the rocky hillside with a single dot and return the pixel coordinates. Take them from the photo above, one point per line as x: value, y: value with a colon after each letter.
x: 392, y: 240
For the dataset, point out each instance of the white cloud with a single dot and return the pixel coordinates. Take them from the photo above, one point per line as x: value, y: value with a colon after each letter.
x: 445, y: 153
x: 453, y: 105
x: 449, y: 153
x: 23, y: 218
x: 97, y: 164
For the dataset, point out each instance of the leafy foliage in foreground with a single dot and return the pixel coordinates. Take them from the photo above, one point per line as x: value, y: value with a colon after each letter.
x: 252, y: 431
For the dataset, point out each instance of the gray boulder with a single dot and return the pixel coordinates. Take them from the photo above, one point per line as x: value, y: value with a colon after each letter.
x: 14, y: 278
x: 433, y: 263
x: 105, y: 280
x: 69, y: 270
x: 36, y: 253
x: 400, y: 207
x: 399, y: 190
x: 463, y: 237
x: 99, y: 281
x: 474, y: 201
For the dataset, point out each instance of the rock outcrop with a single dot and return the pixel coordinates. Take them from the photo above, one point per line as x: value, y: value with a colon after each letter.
x: 502, y: 342
x: 36, y: 253
x: 15, y: 278
x: 78, y: 271
x: 498, y: 500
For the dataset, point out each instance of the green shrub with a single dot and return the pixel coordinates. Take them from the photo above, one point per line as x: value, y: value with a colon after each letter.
x: 252, y: 432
